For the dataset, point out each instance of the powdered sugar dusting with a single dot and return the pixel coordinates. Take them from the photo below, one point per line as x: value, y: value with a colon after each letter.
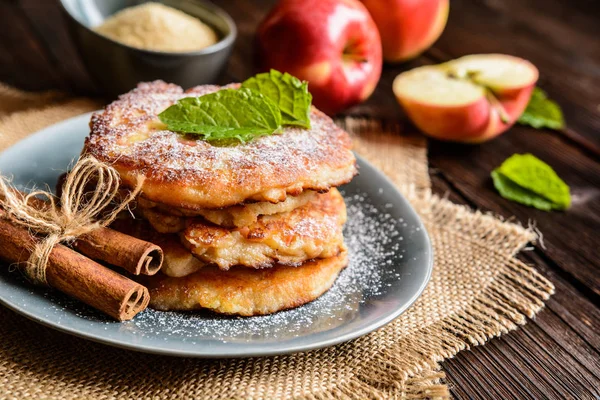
x: 375, y: 245
x: 129, y: 132
x: 185, y: 171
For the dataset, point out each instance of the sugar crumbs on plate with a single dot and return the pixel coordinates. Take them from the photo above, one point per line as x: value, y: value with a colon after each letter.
x: 374, y: 243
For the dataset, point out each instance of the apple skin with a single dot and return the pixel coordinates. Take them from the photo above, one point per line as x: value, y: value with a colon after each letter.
x: 477, y: 122
x: 408, y: 27
x: 471, y: 99
x: 332, y: 44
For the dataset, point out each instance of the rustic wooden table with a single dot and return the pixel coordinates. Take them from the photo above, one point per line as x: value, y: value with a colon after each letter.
x: 555, y: 356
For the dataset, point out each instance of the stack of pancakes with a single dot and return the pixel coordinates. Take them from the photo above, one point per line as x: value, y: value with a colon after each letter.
x: 247, y: 228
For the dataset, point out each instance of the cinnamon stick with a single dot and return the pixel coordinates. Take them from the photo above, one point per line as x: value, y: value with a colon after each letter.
x: 76, y: 275
x: 134, y: 255
x: 104, y: 244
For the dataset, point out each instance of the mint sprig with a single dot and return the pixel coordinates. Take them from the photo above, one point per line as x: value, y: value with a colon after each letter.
x: 227, y: 114
x: 528, y: 180
x: 541, y: 112
x: 288, y: 92
x: 260, y: 107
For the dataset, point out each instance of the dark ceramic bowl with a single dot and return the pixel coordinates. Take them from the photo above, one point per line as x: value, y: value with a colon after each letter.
x: 117, y: 68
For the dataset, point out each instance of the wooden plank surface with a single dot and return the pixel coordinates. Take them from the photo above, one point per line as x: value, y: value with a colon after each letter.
x: 43, y: 17
x: 23, y: 61
x: 555, y: 356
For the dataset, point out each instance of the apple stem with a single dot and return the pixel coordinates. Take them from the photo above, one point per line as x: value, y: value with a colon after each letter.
x: 353, y: 58
x: 350, y: 55
x: 494, y: 102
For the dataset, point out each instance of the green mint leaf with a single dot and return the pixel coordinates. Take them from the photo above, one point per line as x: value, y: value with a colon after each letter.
x: 511, y: 191
x: 541, y: 112
x: 228, y: 114
x: 528, y: 180
x: 288, y: 92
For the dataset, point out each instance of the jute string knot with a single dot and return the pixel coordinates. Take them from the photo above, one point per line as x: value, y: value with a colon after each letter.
x: 80, y: 210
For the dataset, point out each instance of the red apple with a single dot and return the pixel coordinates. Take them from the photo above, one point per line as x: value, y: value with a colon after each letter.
x: 408, y: 27
x: 470, y: 99
x: 332, y: 44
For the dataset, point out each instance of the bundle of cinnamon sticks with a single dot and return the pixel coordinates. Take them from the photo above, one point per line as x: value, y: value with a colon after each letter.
x: 73, y: 271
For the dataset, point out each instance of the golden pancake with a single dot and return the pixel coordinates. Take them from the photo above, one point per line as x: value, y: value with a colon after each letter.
x: 187, y: 172
x: 178, y: 261
x: 243, y: 291
x: 162, y: 222
x: 164, y: 218
x: 311, y: 231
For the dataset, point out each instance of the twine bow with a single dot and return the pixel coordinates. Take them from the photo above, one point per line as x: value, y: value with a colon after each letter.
x: 79, y: 212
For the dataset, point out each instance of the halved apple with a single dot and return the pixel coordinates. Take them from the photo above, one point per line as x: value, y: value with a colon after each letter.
x: 471, y: 99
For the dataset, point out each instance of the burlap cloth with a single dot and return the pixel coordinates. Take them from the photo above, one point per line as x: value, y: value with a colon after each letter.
x: 478, y: 290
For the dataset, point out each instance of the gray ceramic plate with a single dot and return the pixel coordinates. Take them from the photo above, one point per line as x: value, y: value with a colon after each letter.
x: 390, y: 264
